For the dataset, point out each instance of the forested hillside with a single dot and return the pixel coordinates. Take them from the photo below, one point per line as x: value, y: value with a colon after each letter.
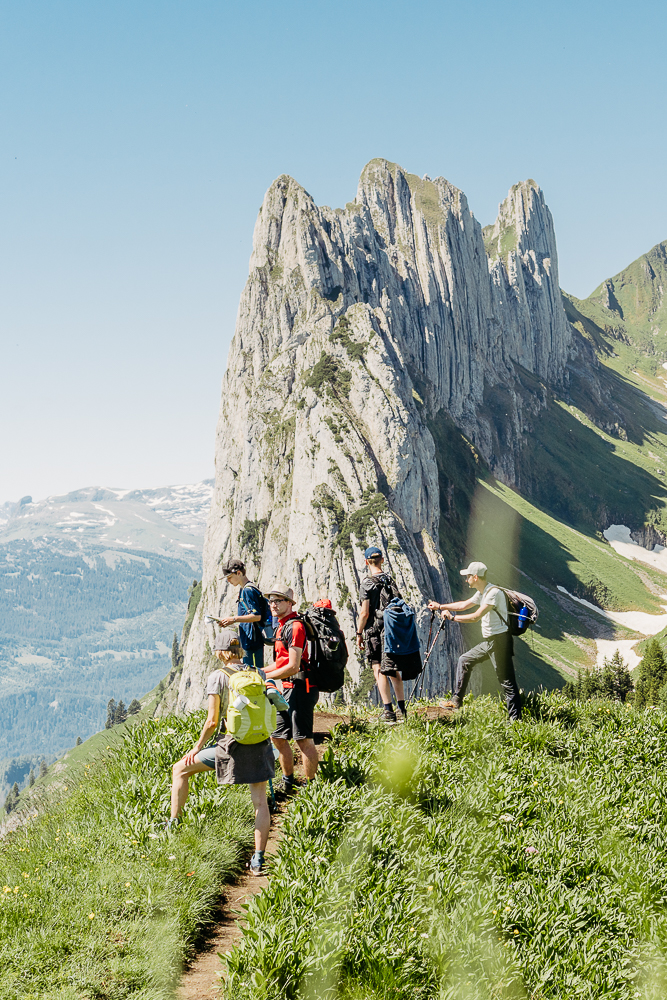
x: 93, y: 586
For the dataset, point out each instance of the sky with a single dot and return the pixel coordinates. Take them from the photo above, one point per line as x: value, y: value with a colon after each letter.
x: 138, y: 139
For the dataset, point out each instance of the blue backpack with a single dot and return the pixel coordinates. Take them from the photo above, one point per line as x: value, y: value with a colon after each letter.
x: 400, y: 628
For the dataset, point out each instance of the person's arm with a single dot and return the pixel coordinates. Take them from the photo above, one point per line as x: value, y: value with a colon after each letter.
x: 233, y: 619
x: 363, y: 619
x: 475, y: 616
x: 210, y: 726
x: 454, y: 606
x: 249, y: 616
x: 293, y: 666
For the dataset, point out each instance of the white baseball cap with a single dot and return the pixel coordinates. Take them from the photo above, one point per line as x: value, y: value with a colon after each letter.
x: 474, y: 569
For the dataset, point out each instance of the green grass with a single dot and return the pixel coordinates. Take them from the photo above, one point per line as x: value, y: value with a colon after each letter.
x: 472, y: 859
x: 94, y: 901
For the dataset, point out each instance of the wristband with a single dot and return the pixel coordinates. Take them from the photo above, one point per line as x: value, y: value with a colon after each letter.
x: 360, y: 633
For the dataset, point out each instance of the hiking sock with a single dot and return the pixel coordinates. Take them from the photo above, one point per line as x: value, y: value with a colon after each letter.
x: 401, y: 707
x: 257, y: 860
x: 389, y: 706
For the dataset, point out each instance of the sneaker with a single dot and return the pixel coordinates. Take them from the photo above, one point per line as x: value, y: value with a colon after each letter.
x: 388, y: 717
x: 401, y: 716
x: 255, y: 867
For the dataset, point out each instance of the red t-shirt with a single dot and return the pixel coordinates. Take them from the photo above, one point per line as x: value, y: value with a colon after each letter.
x: 296, y: 636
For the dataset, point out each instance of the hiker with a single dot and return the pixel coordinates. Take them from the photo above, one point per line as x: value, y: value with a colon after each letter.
x: 250, y: 613
x: 296, y: 722
x: 370, y: 635
x: 497, y: 643
x: 216, y: 750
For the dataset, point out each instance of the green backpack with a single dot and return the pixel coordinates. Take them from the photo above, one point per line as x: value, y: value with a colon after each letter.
x: 251, y: 717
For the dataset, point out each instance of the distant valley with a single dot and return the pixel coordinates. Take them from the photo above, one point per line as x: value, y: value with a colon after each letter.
x: 93, y: 586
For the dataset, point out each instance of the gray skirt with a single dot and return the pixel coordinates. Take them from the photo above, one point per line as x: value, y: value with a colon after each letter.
x: 243, y: 763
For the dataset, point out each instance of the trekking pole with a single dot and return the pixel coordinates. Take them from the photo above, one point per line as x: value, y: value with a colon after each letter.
x: 420, y: 680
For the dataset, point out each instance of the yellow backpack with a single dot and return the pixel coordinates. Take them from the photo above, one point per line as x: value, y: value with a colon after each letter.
x: 251, y: 717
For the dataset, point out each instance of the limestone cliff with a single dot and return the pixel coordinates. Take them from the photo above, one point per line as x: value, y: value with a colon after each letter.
x: 358, y: 327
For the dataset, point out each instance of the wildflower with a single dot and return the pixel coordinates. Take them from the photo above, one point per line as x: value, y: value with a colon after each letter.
x: 91, y: 916
x: 507, y: 818
x: 172, y: 857
x: 530, y: 850
x: 127, y: 884
x: 189, y: 874
x: 429, y: 888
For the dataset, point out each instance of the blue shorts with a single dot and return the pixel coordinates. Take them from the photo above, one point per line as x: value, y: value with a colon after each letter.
x: 207, y: 757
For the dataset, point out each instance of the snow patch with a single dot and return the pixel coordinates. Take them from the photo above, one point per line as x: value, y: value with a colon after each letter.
x: 618, y: 536
x: 626, y: 647
x: 638, y: 621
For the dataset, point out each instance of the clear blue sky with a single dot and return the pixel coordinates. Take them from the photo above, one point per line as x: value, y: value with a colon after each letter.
x: 138, y: 139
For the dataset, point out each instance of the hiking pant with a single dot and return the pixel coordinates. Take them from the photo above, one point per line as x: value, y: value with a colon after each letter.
x: 499, y: 649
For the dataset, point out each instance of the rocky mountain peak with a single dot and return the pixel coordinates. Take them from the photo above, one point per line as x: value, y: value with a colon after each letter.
x: 357, y: 329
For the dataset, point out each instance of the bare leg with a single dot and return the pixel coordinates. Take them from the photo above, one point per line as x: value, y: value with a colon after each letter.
x: 262, y: 817
x: 285, y: 755
x: 397, y: 684
x: 382, y: 682
x: 310, y: 758
x: 180, y: 784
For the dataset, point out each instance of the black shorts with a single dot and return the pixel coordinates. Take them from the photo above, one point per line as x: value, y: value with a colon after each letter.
x: 297, y: 722
x: 373, y: 647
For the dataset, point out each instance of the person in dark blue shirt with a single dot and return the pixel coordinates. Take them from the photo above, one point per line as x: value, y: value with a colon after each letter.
x: 249, y: 613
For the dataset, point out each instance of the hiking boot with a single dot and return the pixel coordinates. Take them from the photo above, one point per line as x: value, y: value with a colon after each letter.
x: 401, y: 716
x: 286, y: 789
x: 452, y: 702
x: 388, y: 717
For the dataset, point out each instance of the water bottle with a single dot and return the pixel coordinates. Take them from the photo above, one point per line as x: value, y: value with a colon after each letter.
x: 524, y: 618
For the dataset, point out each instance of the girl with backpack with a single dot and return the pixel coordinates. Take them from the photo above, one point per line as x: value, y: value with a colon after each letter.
x: 231, y: 754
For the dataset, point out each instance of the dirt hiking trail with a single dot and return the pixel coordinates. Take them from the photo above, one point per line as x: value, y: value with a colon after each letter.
x: 200, y: 980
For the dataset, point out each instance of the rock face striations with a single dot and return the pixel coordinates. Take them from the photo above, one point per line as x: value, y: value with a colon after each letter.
x: 358, y: 328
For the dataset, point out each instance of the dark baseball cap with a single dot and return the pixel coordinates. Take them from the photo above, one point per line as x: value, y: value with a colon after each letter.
x: 225, y: 639
x: 233, y: 566
x: 371, y: 551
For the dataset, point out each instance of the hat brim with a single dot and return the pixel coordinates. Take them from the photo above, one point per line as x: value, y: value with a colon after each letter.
x: 275, y: 593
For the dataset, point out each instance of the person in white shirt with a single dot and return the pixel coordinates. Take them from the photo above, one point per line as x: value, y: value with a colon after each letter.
x: 496, y: 644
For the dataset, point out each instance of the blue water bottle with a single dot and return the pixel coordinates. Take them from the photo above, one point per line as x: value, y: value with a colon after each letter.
x: 524, y: 618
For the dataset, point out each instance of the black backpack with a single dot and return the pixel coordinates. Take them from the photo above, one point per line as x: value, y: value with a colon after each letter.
x: 328, y: 648
x: 388, y: 591
x: 522, y: 611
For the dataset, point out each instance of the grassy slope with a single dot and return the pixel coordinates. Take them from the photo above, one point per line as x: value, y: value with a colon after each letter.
x: 576, y: 476
x: 472, y: 859
x: 92, y: 905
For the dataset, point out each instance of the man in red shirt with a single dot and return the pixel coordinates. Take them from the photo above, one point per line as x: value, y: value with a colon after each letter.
x: 290, y: 669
